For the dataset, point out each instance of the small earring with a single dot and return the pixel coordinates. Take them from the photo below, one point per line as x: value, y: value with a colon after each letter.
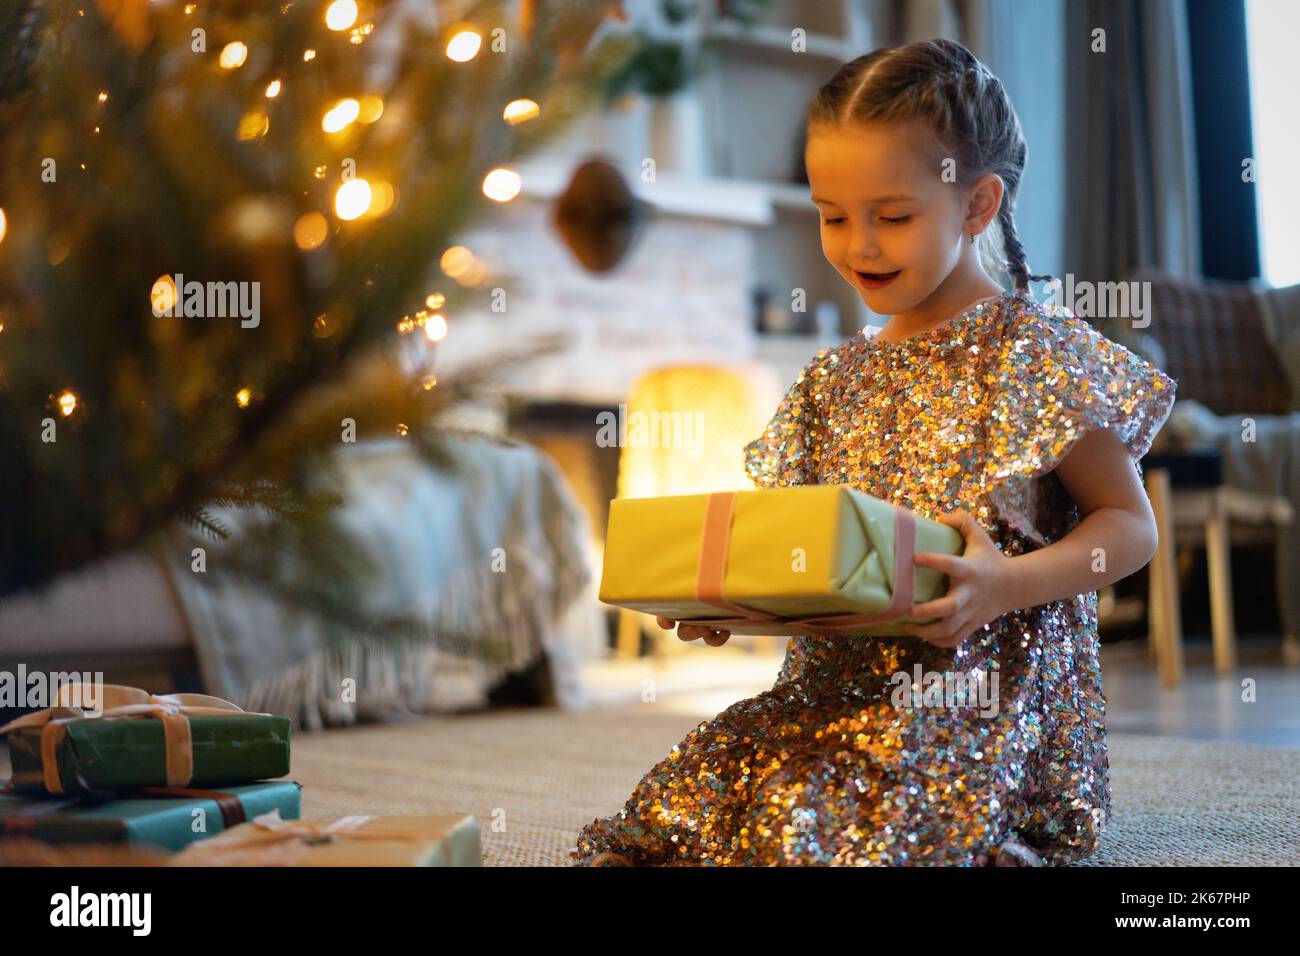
x: 972, y: 238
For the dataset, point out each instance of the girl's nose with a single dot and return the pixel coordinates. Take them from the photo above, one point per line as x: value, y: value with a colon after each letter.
x: 864, y: 247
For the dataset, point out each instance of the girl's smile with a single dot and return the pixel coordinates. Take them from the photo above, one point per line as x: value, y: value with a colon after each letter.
x: 875, y: 280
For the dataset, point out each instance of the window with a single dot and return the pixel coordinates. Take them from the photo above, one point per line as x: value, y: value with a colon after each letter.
x: 1272, y: 27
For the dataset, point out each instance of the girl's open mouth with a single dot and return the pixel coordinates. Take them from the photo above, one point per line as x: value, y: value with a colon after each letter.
x: 876, y: 280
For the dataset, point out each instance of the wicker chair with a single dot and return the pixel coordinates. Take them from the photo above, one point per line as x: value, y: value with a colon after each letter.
x: 1218, y: 348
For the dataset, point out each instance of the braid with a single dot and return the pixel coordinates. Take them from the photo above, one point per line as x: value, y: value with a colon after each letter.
x: 1016, y: 264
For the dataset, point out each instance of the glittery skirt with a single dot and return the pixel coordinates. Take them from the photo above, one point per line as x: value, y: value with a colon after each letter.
x: 845, y: 762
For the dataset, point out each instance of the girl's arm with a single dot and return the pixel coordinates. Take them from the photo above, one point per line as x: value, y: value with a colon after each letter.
x: 1116, y: 537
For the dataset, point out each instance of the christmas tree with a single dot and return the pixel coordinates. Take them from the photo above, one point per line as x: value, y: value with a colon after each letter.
x: 230, y: 226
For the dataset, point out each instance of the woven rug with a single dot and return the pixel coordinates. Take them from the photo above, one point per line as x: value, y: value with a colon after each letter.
x: 533, y: 778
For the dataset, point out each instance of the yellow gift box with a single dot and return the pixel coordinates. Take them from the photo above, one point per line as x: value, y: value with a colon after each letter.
x: 448, y: 839
x: 807, y: 559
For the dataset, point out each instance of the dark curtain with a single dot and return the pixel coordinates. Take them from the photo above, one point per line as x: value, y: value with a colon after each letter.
x: 1221, y: 96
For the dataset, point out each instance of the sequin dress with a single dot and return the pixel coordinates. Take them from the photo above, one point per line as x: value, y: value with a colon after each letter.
x: 824, y: 768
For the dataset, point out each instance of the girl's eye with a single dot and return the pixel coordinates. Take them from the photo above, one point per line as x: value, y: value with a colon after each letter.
x: 832, y: 222
x: 896, y: 220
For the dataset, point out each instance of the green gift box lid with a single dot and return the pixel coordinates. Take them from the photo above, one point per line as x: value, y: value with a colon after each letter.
x: 170, y: 818
x: 104, y: 755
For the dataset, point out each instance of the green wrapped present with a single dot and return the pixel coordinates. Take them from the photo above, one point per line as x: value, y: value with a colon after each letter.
x: 806, y: 559
x: 139, y: 740
x: 166, y: 817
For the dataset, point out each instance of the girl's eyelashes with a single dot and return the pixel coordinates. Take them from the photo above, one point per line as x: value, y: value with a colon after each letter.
x: 891, y: 220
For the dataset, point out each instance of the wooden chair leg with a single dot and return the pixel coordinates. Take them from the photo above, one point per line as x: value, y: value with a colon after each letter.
x: 1168, y: 631
x: 629, y: 634
x: 1218, y: 558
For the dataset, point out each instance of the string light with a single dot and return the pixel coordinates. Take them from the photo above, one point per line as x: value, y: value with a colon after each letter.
x: 4, y: 225
x: 402, y: 430
x: 435, y: 328
x: 233, y: 55
x: 103, y: 96
x: 382, y: 198
x: 370, y: 109
x: 435, y: 300
x: 163, y: 294
x: 341, y: 14
x: 429, y: 383
x: 502, y: 184
x: 352, y: 199
x: 189, y: 8
x: 243, y: 397
x: 273, y: 89
x: 67, y: 402
x: 340, y: 115
x: 456, y: 261
x: 520, y: 111
x: 253, y: 125
x: 310, y: 231
x: 359, y: 34
x: 464, y: 45
x: 308, y: 55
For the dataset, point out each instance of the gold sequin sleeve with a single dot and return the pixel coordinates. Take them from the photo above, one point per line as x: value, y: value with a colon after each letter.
x: 1052, y: 379
x: 789, y: 450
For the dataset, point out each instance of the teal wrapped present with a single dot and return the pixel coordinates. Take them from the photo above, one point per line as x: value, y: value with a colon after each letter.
x: 167, y: 817
x: 141, y: 740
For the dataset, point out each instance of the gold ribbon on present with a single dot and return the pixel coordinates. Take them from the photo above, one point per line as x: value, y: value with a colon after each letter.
x: 712, y: 573
x: 127, y: 703
x: 272, y: 841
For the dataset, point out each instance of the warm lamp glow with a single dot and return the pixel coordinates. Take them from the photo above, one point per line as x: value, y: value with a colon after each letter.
x: 684, y: 429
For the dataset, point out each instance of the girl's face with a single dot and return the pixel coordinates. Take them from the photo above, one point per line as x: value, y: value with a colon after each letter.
x: 890, y: 223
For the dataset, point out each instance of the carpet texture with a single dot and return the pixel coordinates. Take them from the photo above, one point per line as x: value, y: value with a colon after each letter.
x: 534, y: 777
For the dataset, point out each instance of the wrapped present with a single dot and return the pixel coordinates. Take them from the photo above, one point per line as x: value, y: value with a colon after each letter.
x: 450, y: 839
x: 141, y: 740
x: 166, y: 817
x: 805, y: 559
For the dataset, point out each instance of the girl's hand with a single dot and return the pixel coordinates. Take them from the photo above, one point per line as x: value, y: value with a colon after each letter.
x: 713, y: 636
x: 978, y: 587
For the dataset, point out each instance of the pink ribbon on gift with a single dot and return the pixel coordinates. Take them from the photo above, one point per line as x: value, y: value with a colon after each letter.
x: 712, y: 572
x: 122, y: 702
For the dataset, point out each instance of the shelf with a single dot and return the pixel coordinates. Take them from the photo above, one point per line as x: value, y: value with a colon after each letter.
x: 747, y: 201
x: 773, y: 38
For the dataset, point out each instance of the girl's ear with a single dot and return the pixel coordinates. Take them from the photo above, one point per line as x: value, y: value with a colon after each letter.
x: 983, y: 202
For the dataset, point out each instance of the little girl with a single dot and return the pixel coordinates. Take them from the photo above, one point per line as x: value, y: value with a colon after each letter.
x: 1018, y: 425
